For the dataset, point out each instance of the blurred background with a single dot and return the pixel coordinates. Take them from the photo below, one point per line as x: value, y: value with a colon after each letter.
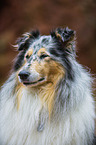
x: 20, y: 16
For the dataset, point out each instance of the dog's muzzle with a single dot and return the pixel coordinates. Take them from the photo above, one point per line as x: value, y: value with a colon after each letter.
x: 28, y: 78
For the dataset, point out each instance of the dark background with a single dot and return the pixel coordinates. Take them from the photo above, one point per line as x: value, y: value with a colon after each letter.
x: 20, y: 16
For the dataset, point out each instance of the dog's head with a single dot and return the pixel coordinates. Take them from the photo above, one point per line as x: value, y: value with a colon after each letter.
x: 45, y: 59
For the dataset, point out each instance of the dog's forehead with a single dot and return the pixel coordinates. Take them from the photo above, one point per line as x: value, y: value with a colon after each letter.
x: 42, y: 42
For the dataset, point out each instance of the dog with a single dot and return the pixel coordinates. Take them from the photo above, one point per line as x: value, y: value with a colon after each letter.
x: 47, y: 99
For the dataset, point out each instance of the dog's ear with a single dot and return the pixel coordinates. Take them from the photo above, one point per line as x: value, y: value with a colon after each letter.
x: 24, y: 42
x: 67, y: 37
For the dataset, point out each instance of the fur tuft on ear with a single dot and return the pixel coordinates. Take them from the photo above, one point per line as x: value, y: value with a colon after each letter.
x: 66, y: 34
x: 67, y: 37
x: 24, y: 42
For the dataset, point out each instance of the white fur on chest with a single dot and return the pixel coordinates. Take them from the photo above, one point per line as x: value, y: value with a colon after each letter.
x: 20, y: 127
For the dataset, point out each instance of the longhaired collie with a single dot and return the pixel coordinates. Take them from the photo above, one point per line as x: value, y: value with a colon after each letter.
x: 47, y: 100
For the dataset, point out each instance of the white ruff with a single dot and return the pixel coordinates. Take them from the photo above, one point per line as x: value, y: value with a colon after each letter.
x: 19, y: 127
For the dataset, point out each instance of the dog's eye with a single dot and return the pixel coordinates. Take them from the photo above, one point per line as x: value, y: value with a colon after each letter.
x: 27, y: 56
x: 43, y: 56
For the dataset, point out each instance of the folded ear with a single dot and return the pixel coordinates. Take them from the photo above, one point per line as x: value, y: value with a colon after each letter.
x: 67, y: 37
x: 24, y: 42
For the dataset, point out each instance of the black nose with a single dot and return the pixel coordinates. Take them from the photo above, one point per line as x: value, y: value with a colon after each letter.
x: 23, y: 75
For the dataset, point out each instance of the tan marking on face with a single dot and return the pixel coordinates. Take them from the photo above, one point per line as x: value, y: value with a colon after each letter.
x: 29, y: 53
x: 41, y: 51
x: 51, y: 69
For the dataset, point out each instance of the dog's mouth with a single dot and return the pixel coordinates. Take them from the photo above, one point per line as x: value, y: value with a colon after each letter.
x: 34, y: 83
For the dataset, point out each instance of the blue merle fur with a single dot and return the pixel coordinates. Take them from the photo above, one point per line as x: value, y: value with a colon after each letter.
x: 59, y: 52
x: 23, y: 45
